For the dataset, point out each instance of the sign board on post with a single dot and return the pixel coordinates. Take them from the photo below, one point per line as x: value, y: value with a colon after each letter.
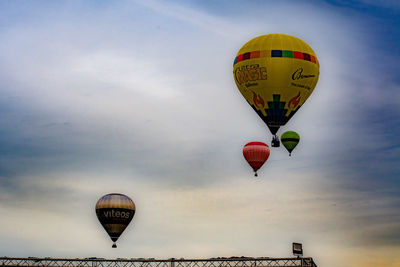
x: 297, y: 249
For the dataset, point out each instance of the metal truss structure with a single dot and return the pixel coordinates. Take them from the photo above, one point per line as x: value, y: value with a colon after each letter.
x: 141, y: 262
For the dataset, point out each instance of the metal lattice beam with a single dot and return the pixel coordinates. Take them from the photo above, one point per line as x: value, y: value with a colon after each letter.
x: 140, y: 262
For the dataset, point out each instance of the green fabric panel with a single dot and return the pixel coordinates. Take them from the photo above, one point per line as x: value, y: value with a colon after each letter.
x: 287, y: 53
x: 289, y: 145
x: 290, y: 134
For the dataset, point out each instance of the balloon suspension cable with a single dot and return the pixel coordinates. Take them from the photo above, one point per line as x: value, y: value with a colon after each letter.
x: 114, y: 245
x: 290, y: 154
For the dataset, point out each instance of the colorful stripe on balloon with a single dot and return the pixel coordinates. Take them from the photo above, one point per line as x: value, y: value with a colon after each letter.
x: 275, y: 53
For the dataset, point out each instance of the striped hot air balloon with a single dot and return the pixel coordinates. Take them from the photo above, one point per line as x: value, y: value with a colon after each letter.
x: 290, y: 139
x: 115, y: 211
x: 256, y: 154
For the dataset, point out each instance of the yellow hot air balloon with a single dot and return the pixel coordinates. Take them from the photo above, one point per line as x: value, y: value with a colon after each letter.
x: 276, y: 73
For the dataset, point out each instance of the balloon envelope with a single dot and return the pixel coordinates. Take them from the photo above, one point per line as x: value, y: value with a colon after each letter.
x: 256, y: 154
x: 276, y: 73
x: 290, y: 139
x: 115, y: 211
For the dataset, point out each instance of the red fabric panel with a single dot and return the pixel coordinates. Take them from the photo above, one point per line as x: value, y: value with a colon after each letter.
x: 297, y: 54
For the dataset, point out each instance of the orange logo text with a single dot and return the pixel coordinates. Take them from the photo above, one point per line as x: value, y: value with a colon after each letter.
x: 253, y: 73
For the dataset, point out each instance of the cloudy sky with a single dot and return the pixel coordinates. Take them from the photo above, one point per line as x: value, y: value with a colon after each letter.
x: 138, y: 97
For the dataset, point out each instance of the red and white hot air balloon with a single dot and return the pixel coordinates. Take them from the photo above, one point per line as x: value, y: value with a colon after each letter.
x: 256, y: 154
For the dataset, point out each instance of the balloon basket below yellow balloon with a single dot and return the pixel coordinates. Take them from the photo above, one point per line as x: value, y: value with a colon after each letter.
x: 275, y: 141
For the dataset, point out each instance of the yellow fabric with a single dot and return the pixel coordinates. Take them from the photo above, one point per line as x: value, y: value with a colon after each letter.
x: 261, y: 76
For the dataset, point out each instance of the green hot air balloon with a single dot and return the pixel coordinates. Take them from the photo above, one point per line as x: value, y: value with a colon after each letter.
x: 290, y: 139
